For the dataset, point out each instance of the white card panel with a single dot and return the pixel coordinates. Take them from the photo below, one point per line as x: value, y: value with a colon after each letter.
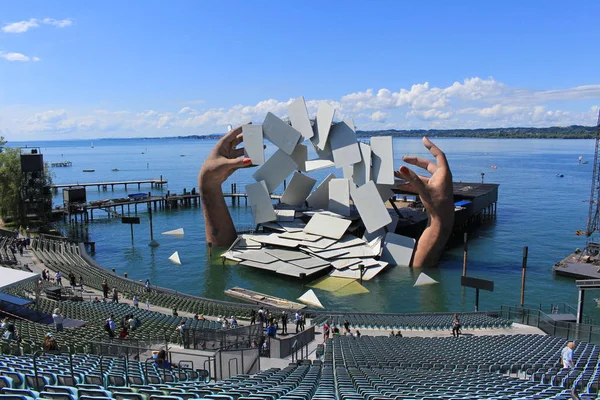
x: 347, y: 241
x: 372, y: 271
x: 339, y: 196
x: 298, y: 189
x: 254, y: 144
x: 296, y: 225
x: 300, y: 155
x: 286, y: 255
x: 292, y: 270
x: 307, y: 237
x: 260, y: 202
x: 254, y: 255
x: 370, y: 207
x: 299, y: 117
x: 349, y: 252
x: 275, y: 170
x: 326, y: 226
x: 385, y: 191
x: 361, y: 173
x: 308, y: 263
x: 280, y: 134
x: 275, y: 240
x: 285, y: 215
x: 397, y: 249
x: 345, y: 263
x: 315, y: 165
x: 320, y: 197
x: 323, y: 125
x: 344, y: 146
x: 383, y: 159
x: 274, y: 266
x: 319, y: 244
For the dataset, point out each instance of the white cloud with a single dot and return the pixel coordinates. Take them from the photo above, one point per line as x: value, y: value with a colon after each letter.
x: 471, y: 103
x: 18, y: 57
x: 378, y: 116
x: 59, y: 23
x: 20, y: 27
x: 24, y: 26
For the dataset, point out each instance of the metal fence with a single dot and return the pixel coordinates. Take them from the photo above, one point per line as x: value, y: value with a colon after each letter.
x: 568, y: 330
x: 296, y: 346
x: 225, y: 339
x: 229, y: 363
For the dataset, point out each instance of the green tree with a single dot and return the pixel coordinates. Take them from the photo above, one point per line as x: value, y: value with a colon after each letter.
x: 13, y: 188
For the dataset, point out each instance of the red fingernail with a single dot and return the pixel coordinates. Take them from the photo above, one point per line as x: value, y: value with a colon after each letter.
x: 404, y: 170
x: 247, y: 161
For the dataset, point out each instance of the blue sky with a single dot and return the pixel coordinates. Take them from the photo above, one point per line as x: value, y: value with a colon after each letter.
x: 73, y: 69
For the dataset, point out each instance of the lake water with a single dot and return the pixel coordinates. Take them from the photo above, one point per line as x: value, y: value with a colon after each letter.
x: 535, y: 208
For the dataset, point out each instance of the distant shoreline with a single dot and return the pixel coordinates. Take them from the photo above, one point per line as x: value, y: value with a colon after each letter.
x: 555, y: 132
x: 567, y: 132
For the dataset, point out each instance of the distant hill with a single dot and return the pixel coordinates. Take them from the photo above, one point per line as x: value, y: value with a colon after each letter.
x: 553, y: 132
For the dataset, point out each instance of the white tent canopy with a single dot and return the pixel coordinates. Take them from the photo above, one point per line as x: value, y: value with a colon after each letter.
x: 12, y: 277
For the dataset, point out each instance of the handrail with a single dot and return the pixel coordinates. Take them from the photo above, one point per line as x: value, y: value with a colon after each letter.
x: 237, y: 367
x: 35, y: 371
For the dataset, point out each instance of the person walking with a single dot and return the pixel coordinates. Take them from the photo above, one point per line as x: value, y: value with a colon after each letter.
x: 58, y: 319
x: 456, y: 326
x: 566, y: 355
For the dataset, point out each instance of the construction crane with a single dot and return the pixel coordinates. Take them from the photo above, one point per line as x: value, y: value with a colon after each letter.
x: 594, y: 210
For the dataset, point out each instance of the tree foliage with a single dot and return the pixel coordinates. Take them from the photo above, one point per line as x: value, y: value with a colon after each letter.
x: 553, y: 132
x: 13, y: 183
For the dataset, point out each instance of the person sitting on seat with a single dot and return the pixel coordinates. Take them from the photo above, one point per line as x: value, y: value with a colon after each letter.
x: 50, y: 343
x: 161, y: 360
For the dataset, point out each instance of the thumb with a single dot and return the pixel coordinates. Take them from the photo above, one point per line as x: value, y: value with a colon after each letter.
x: 413, y: 179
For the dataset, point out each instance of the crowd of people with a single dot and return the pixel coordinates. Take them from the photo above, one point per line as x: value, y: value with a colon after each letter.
x: 18, y: 245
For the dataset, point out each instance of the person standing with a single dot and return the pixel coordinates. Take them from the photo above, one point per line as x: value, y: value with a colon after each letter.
x: 326, y: 330
x: 105, y: 289
x: 567, y: 355
x: 136, y: 301
x: 298, y: 321
x: 252, y: 316
x: 81, y: 281
x: 115, y: 295
x: 109, y: 326
x: 58, y: 278
x: 456, y: 326
x: 58, y: 319
x: 147, y: 285
x: 284, y: 322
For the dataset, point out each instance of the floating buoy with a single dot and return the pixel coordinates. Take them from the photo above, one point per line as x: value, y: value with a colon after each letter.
x: 175, y: 258
x: 174, y: 232
x: 311, y: 299
x: 424, y: 279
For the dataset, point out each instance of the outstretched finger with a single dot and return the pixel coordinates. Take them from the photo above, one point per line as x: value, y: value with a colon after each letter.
x: 235, y: 163
x: 416, y: 181
x: 233, y: 134
x: 239, y: 139
x: 421, y: 162
x: 439, y: 155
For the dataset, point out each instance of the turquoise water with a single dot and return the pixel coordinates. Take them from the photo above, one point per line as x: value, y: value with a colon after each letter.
x: 535, y: 208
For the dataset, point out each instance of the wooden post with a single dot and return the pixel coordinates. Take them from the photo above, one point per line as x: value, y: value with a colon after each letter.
x: 523, y: 273
x: 465, y: 251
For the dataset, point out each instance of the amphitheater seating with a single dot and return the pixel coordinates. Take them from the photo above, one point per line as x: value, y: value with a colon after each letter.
x: 64, y: 256
x: 441, y: 321
x: 365, y: 368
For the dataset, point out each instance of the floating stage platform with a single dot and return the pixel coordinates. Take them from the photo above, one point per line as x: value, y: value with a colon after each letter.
x: 263, y: 299
x: 474, y: 203
x: 579, y: 265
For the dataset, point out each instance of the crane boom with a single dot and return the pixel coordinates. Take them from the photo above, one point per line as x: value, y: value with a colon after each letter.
x: 594, y: 210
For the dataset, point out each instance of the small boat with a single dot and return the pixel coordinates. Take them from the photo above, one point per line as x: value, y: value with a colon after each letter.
x: 92, y: 145
x: 182, y: 155
x: 89, y: 170
x: 494, y: 167
x: 264, y: 299
x: 115, y: 169
x: 560, y: 176
x: 99, y: 202
x: 137, y: 196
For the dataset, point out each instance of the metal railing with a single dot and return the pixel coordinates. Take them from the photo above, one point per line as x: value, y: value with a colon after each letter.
x: 568, y: 330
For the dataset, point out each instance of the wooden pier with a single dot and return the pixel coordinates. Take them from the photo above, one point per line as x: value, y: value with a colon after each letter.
x: 160, y: 182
